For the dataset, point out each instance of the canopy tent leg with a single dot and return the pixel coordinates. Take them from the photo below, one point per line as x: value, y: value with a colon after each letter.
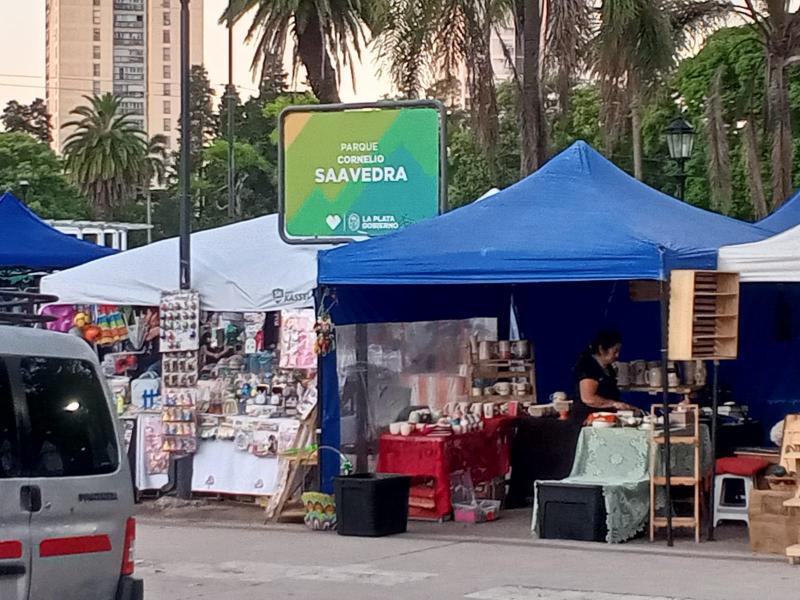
x: 664, y: 299
x: 714, y: 405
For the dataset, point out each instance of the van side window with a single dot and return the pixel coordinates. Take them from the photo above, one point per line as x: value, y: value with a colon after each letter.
x: 72, y: 433
x: 9, y: 436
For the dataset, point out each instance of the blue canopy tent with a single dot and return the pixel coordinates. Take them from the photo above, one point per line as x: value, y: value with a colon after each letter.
x: 28, y: 242
x: 786, y: 217
x: 563, y: 242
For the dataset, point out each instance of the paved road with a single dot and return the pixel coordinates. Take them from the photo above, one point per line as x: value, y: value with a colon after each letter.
x: 203, y: 563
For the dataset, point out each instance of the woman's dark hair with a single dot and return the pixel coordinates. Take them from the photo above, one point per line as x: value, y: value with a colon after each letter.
x: 605, y: 339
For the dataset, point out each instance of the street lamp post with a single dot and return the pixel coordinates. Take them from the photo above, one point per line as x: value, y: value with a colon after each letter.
x: 680, y: 140
x: 184, y: 464
x: 24, y: 186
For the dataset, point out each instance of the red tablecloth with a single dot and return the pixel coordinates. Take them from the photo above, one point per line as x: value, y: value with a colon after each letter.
x: 485, y: 454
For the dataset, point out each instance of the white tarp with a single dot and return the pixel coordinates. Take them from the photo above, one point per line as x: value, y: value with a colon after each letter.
x: 774, y: 259
x: 243, y: 267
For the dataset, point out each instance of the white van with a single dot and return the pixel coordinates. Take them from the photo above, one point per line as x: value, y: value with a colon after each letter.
x: 66, y: 497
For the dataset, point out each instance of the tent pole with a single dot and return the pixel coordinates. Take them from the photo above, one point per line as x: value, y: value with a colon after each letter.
x: 714, y: 406
x: 664, y: 299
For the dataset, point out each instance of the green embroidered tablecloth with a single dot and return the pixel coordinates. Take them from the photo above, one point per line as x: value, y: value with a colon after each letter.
x: 618, y: 460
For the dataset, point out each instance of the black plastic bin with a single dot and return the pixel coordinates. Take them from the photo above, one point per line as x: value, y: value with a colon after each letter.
x: 372, y: 504
x: 571, y: 512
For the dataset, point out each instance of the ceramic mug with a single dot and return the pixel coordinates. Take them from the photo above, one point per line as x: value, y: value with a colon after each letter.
x: 521, y: 389
x: 653, y: 377
x: 520, y: 349
x: 558, y: 397
x: 700, y: 373
x: 503, y: 388
x: 488, y: 410
x: 512, y: 408
x: 486, y: 350
x: 477, y: 391
x: 638, y: 368
x: 406, y: 428
x: 476, y: 409
x: 504, y: 350
x: 623, y: 373
x: 673, y: 380
x: 394, y: 428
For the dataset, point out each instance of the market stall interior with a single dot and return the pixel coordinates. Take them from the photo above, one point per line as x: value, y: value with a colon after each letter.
x: 225, y: 372
x: 575, y: 247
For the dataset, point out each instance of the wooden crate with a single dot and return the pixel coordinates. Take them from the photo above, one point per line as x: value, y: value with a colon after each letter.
x: 703, y: 315
x: 773, y: 526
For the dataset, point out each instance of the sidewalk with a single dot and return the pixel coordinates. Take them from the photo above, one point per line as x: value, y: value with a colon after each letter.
x: 513, y: 528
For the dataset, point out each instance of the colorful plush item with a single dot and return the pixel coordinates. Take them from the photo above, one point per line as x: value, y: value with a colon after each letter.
x: 64, y: 317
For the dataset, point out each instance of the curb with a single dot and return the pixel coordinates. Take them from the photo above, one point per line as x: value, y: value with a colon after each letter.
x: 682, y: 551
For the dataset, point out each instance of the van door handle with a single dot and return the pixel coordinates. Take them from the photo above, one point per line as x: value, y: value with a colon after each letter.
x: 30, y: 497
x: 12, y: 570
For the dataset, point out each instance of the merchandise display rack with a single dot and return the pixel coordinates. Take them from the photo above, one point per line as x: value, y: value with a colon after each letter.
x: 503, y: 369
x: 687, y: 433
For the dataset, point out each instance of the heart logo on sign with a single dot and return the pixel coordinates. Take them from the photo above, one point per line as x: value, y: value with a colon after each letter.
x: 333, y: 221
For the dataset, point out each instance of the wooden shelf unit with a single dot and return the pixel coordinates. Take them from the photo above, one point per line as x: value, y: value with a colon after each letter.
x: 790, y: 460
x: 503, y: 369
x: 703, y: 315
x: 695, y: 480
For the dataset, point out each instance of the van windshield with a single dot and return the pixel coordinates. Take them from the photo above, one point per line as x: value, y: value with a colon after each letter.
x: 71, y: 430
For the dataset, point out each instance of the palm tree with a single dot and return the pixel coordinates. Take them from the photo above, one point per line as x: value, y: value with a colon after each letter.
x: 155, y: 173
x: 445, y: 40
x: 419, y: 38
x: 105, y: 154
x: 779, y: 27
x: 637, y: 42
x: 326, y: 34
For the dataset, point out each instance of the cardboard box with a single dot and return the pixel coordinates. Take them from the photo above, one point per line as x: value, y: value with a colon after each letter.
x: 773, y: 527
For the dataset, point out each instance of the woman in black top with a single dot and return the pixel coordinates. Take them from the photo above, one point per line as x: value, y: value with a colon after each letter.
x: 597, y: 379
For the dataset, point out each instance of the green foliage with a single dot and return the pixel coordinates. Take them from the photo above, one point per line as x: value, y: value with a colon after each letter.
x: 30, y: 118
x: 203, y: 120
x: 739, y: 54
x: 272, y: 110
x: 48, y: 194
x: 106, y: 155
x: 582, y: 122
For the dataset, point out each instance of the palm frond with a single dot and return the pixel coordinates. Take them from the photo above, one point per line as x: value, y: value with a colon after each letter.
x: 719, y: 163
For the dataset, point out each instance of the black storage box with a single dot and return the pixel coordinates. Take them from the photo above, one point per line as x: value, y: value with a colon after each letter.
x: 372, y: 504
x: 571, y: 512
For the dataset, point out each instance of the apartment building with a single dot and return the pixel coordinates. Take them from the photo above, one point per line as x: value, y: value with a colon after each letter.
x: 128, y: 47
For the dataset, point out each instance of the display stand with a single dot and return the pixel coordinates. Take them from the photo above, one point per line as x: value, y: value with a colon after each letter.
x: 704, y: 325
x: 501, y: 369
x: 790, y: 460
x: 687, y: 432
x: 285, y: 504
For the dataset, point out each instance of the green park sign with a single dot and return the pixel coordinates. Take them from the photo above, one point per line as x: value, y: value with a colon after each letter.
x: 350, y: 171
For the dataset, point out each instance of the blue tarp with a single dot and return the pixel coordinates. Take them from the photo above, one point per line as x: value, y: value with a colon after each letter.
x: 28, y: 242
x: 786, y: 217
x: 579, y: 218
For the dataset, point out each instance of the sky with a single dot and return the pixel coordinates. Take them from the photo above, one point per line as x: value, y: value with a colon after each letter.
x: 22, y: 44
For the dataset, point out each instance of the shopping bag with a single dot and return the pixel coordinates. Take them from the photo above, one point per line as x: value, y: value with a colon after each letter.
x: 146, y: 391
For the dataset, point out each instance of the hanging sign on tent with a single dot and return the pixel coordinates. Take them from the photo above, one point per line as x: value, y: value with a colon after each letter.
x: 352, y: 171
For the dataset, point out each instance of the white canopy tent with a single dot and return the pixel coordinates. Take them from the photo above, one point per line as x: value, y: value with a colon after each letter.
x: 243, y: 267
x: 775, y: 259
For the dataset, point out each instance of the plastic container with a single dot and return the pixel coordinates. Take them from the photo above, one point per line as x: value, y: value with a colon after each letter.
x: 479, y: 512
x: 571, y: 512
x: 372, y: 504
